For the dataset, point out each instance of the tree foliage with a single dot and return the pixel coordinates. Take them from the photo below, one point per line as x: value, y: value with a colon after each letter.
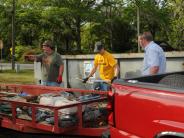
x: 75, y: 25
x: 176, y: 36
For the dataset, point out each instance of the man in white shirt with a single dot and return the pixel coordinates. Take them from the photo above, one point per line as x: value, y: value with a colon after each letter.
x: 154, y: 57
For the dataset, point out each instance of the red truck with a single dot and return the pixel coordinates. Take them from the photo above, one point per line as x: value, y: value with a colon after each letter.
x: 148, y: 107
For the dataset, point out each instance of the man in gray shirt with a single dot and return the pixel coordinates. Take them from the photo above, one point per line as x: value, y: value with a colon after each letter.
x: 51, y: 64
x: 154, y: 57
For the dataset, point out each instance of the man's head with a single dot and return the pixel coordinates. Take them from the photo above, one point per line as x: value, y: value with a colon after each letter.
x: 145, y: 38
x: 99, y: 48
x: 47, y: 47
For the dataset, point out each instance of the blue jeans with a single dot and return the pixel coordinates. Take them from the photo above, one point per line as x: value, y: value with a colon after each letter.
x: 50, y: 83
x: 101, y: 86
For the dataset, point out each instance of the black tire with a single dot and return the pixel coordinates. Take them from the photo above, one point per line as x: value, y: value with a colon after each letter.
x: 174, y: 80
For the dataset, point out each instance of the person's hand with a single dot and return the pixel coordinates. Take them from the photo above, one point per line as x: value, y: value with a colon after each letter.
x: 114, y: 79
x: 59, y: 79
x: 84, y: 80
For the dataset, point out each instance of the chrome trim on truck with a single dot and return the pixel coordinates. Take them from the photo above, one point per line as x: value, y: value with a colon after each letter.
x: 172, y: 134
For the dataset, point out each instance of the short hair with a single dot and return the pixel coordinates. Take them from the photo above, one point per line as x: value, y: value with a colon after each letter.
x: 147, y: 36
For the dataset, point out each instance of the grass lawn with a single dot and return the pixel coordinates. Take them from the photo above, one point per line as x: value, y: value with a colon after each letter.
x: 11, y: 77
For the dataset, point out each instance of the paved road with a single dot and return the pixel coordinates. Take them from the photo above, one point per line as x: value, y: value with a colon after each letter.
x: 6, y: 66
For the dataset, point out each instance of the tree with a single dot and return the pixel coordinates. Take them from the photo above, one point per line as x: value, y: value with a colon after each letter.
x: 5, y: 25
x: 81, y: 11
x: 72, y: 15
x: 75, y: 25
x: 176, y: 37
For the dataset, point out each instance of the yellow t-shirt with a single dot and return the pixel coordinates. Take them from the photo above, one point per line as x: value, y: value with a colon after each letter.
x: 106, y: 63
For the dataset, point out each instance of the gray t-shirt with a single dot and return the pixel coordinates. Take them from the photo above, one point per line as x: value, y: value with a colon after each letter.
x: 50, y: 65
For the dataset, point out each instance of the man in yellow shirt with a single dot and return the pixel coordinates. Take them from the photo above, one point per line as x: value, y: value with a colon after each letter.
x: 108, y: 67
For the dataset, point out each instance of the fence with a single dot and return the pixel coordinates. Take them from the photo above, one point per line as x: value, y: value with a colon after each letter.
x: 77, y: 66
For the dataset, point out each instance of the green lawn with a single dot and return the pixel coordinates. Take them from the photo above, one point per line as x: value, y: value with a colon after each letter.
x: 11, y: 77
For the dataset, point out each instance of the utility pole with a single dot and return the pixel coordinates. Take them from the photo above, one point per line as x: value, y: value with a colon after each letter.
x: 111, y: 35
x: 137, y: 2
x: 13, y: 35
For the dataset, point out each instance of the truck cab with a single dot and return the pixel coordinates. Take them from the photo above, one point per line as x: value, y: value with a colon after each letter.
x: 148, y: 107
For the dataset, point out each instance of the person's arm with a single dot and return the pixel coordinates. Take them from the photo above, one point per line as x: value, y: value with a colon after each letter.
x: 39, y: 58
x: 61, y: 69
x: 153, y: 58
x: 113, y: 63
x: 92, y: 71
x: 59, y: 62
x: 30, y: 57
x: 91, y: 74
x: 154, y: 70
x: 60, y: 75
x: 116, y: 70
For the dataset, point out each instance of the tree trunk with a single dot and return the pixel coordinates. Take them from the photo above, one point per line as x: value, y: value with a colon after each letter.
x: 78, y: 32
x: 67, y: 45
x: 110, y: 31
